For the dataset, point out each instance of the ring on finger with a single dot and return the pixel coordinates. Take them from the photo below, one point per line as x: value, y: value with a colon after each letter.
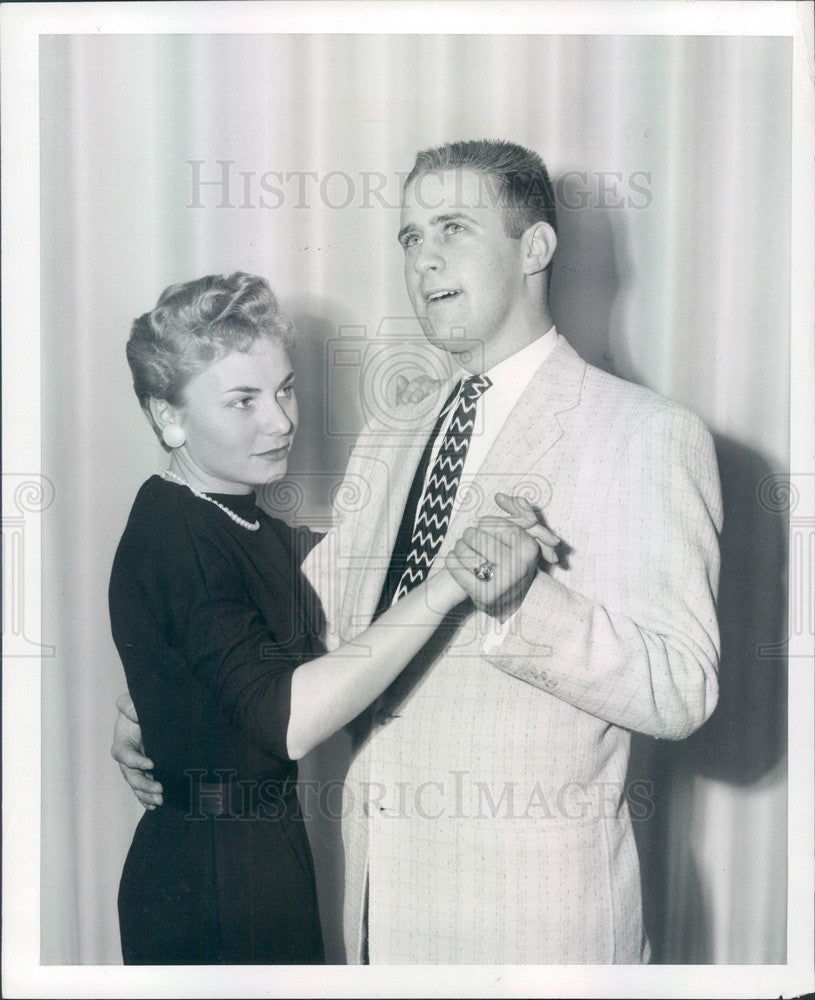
x: 483, y: 571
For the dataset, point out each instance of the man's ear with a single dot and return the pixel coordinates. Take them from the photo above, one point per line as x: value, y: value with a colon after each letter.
x: 540, y: 241
x: 162, y: 413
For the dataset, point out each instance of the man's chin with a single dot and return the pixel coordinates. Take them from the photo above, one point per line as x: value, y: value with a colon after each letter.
x: 452, y: 340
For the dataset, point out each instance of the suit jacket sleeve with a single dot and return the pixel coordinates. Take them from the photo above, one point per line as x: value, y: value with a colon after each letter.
x: 642, y: 651
x: 326, y: 564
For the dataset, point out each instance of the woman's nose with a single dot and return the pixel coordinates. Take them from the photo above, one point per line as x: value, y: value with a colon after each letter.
x: 276, y: 420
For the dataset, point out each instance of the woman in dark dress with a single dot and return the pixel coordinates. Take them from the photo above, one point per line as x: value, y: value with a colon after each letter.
x: 226, y: 601
x: 211, y: 619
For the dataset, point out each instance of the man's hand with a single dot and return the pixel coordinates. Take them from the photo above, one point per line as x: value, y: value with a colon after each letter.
x: 128, y: 751
x: 521, y: 512
x: 415, y: 390
x: 508, y: 551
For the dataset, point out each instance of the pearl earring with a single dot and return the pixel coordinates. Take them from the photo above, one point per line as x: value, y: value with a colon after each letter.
x: 173, y: 435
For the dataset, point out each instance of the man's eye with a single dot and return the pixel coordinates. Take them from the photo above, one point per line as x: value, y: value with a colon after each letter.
x: 286, y: 392
x: 243, y: 403
x: 453, y: 227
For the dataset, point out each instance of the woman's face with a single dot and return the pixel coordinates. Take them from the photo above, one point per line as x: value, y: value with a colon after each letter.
x: 239, y: 417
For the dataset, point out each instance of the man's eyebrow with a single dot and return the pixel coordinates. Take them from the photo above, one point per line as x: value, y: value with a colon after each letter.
x: 435, y: 221
x: 409, y: 228
x: 451, y: 217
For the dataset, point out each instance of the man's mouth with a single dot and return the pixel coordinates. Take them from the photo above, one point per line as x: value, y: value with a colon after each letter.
x: 442, y: 295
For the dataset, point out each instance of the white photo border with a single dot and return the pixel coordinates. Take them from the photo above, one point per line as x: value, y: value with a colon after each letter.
x: 22, y: 24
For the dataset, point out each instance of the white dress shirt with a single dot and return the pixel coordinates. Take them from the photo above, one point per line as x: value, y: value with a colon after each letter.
x: 509, y: 379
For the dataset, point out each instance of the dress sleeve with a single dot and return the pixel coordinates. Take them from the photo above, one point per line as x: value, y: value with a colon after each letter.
x: 231, y: 648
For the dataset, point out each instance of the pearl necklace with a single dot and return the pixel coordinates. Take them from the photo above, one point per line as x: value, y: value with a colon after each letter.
x: 203, y: 496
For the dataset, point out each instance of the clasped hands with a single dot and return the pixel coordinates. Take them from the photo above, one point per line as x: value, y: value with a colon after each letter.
x: 495, y: 561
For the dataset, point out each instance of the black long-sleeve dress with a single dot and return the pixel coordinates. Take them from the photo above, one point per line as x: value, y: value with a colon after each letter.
x: 210, y: 621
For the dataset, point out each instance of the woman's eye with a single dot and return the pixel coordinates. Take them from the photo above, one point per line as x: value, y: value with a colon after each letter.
x: 243, y: 403
x: 454, y: 227
x: 286, y: 392
x: 410, y: 240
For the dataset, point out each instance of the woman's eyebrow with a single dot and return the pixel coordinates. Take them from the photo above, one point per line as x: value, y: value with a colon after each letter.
x: 241, y: 388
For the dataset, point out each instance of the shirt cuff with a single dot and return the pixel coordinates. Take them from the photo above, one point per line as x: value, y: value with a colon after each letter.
x: 496, y: 633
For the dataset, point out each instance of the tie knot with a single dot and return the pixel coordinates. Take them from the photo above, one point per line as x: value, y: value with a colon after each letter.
x: 475, y: 385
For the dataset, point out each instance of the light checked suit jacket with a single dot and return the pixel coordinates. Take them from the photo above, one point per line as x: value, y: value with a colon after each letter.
x: 486, y: 816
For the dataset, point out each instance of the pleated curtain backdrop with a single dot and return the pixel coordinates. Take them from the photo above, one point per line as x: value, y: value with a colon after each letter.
x: 672, y: 168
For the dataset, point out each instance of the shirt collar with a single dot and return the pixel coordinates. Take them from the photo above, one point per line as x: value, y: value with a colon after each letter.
x: 512, y: 375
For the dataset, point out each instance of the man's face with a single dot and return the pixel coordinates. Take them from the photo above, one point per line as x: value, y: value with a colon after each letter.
x: 464, y: 275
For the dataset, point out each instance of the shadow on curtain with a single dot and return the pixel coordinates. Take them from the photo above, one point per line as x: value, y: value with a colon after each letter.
x: 746, y: 737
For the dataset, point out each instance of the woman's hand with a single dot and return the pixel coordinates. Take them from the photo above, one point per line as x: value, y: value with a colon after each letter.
x: 496, y: 562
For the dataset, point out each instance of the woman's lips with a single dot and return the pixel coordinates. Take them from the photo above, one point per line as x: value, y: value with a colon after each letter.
x: 274, y: 453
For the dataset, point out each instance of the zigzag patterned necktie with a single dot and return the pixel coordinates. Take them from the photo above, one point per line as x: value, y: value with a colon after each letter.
x: 437, y: 504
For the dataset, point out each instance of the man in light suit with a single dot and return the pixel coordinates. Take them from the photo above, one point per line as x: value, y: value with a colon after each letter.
x: 486, y: 816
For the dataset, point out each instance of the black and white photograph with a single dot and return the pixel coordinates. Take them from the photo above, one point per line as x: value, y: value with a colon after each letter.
x: 408, y: 501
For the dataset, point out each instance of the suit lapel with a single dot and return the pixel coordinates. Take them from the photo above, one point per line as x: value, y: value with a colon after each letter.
x: 386, y: 467
x: 532, y: 428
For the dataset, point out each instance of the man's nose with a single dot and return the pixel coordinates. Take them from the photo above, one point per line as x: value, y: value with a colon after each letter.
x: 429, y: 258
